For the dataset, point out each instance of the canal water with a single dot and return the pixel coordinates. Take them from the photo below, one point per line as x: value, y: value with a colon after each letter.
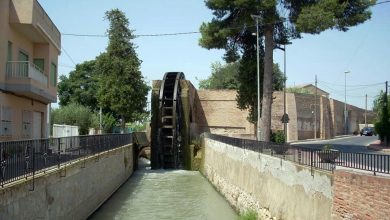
x: 160, y: 194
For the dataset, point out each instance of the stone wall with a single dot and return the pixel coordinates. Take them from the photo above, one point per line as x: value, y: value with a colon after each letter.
x: 360, y: 196
x: 220, y: 114
x: 73, y: 192
x: 269, y: 185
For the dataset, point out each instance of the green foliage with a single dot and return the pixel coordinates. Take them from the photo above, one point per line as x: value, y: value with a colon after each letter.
x: 73, y: 114
x: 248, y: 215
x: 327, y: 147
x: 108, y: 122
x: 325, y: 14
x: 122, y: 88
x: 278, y: 137
x: 382, y: 109
x: 298, y: 90
x: 222, y: 76
x: 232, y: 26
x: 80, y: 87
x: 141, y: 124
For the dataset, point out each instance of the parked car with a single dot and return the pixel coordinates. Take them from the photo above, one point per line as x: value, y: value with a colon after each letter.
x: 367, y: 131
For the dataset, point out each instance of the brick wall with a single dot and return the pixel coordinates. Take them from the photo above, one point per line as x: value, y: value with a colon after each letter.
x: 360, y: 196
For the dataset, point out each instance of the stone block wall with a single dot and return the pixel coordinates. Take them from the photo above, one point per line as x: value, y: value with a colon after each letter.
x: 271, y: 186
x: 220, y: 114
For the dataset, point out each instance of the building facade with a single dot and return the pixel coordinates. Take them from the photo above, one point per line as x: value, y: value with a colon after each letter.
x: 30, y: 44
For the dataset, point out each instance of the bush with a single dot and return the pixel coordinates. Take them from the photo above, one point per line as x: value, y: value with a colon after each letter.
x: 248, y: 215
x: 73, y: 114
x: 278, y: 137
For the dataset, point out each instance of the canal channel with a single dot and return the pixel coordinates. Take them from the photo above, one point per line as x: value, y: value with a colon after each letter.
x: 162, y: 194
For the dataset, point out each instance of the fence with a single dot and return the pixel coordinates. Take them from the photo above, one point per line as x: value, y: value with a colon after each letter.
x: 22, y: 159
x: 315, y: 158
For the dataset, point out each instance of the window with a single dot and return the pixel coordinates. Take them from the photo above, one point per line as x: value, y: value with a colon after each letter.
x: 22, y: 65
x: 9, y: 56
x: 40, y: 64
x: 53, y: 74
x: 6, y: 121
x: 26, y: 124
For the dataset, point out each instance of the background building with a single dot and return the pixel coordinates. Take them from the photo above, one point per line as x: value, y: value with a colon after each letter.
x: 29, y: 47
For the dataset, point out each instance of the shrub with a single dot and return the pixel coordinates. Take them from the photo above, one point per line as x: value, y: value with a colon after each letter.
x: 327, y: 147
x: 248, y: 215
x: 278, y: 137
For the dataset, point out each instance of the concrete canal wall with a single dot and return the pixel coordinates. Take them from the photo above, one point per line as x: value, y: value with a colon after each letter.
x: 73, y: 192
x: 273, y: 187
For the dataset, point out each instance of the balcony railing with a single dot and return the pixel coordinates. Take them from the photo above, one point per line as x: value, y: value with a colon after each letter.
x: 25, y: 70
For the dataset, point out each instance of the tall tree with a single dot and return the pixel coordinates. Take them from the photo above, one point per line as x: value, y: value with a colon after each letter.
x: 231, y: 29
x: 80, y: 87
x: 121, y: 85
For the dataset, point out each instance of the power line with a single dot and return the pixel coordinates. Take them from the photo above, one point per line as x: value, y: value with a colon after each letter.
x: 168, y: 34
x: 70, y: 58
x: 363, y: 85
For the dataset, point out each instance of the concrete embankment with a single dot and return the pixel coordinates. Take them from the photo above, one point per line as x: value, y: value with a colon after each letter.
x: 72, y: 192
x: 269, y: 185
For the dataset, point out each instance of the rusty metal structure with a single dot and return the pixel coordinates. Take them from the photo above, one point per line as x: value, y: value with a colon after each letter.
x: 168, y: 153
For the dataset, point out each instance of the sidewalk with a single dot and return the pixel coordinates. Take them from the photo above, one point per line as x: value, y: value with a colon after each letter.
x: 378, y: 146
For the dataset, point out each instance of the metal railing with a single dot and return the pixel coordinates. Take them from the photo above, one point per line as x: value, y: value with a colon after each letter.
x: 22, y: 159
x: 313, y: 157
x: 25, y: 69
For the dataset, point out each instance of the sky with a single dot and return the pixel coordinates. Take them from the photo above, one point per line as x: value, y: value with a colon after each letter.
x: 363, y: 51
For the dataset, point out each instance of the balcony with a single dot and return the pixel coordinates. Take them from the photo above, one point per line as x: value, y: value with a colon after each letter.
x: 20, y: 70
x: 25, y: 78
x: 30, y: 19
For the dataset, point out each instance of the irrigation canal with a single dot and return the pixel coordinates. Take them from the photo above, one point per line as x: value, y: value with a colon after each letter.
x: 161, y: 194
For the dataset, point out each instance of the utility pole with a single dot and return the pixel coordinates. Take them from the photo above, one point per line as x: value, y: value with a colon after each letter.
x: 285, y: 120
x: 345, y: 104
x: 386, y: 118
x: 257, y: 17
x: 100, y: 121
x: 365, y: 113
x: 315, y: 110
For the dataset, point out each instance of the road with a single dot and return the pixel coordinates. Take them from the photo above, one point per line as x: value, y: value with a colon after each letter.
x: 354, y: 153
x: 356, y: 144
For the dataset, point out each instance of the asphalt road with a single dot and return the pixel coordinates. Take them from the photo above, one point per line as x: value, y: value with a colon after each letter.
x: 354, y: 153
x: 356, y: 144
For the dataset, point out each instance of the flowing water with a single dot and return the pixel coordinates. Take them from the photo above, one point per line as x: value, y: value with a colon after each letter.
x: 160, y: 194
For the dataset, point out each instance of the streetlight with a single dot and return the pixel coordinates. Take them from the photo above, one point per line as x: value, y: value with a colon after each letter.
x: 257, y: 17
x: 345, y: 103
x: 285, y: 118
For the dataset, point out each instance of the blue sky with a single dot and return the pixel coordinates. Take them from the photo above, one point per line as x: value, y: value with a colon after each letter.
x: 363, y: 50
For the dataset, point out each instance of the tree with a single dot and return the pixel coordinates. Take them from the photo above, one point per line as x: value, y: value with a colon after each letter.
x: 80, y: 87
x: 222, y: 77
x: 232, y: 27
x: 121, y: 86
x: 81, y: 116
x: 73, y: 114
x: 382, y: 110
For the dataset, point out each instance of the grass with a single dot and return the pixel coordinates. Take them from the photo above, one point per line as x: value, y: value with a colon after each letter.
x: 248, y: 215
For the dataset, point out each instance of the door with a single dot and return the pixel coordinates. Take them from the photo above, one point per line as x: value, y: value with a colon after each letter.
x: 37, y: 125
x: 23, y: 64
x: 40, y: 64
